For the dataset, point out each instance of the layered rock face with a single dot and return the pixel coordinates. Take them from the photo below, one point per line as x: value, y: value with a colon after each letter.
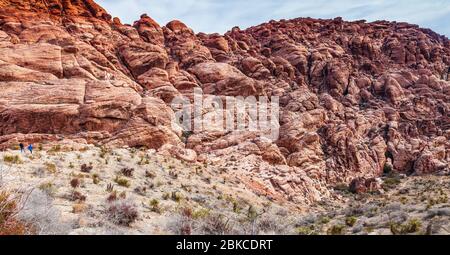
x: 356, y: 97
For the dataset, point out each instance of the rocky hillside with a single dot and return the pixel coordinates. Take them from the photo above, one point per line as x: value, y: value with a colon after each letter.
x: 357, y: 98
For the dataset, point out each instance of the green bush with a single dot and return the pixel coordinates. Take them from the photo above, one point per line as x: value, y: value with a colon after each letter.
x: 48, y: 188
x: 122, y: 182
x: 176, y: 196
x: 154, y: 206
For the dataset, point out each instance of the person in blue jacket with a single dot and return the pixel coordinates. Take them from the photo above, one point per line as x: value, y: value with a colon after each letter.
x: 30, y: 148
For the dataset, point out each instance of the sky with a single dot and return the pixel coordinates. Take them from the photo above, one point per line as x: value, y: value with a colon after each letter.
x: 211, y: 16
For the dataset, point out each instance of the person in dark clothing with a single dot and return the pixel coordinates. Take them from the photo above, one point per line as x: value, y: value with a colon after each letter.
x: 30, y: 148
x: 22, y: 147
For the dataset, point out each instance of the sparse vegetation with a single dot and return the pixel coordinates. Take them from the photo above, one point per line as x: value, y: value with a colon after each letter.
x: 391, y: 182
x: 412, y: 226
x: 48, y: 188
x: 336, y: 230
x: 155, y: 206
x: 350, y: 221
x: 325, y: 220
x: 127, y: 172
x: 122, y: 182
x: 86, y: 168
x: 75, y: 183
x: 217, y: 224
x: 150, y: 175
x: 77, y: 196
x: 110, y: 187
x: 122, y: 212
x: 9, y: 224
x: 176, y: 196
x: 96, y: 179
x: 79, y: 208
x: 55, y: 149
x: 12, y: 159
x: 166, y: 196
x: 305, y: 230
x: 50, y: 167
x: 205, y: 206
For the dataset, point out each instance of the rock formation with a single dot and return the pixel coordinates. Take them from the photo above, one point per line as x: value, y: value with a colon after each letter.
x: 355, y: 96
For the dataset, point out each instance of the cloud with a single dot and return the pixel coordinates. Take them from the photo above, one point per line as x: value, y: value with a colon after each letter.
x: 221, y: 15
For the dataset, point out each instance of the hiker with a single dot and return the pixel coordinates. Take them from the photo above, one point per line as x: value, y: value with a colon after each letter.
x: 30, y: 148
x: 22, y: 147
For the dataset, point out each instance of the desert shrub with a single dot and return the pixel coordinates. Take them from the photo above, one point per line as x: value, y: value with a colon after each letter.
x: 112, y: 196
x: 391, y: 183
x: 141, y: 190
x: 42, y: 216
x: 79, y: 208
x: 85, y: 168
x: 128, y: 172
x: 342, y: 187
x: 387, y: 169
x: 336, y: 230
x: 103, y: 152
x: 305, y: 230
x: 252, y: 213
x: 55, y: 149
x: 96, y: 179
x: 122, y: 182
x: 217, y: 224
x: 166, y: 196
x: 149, y: 174
x: 412, y: 226
x: 350, y: 221
x: 48, y: 188
x: 110, y: 187
x: 391, y: 180
x: 9, y: 224
x: 272, y: 224
x: 75, y: 183
x: 12, y: 159
x: 50, y: 167
x: 176, y: 196
x: 182, y: 224
x: 122, y: 212
x: 154, y: 206
x: 144, y: 160
x: 77, y: 196
x: 185, y: 136
x: 173, y: 174
x: 325, y: 220
x: 201, y: 213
